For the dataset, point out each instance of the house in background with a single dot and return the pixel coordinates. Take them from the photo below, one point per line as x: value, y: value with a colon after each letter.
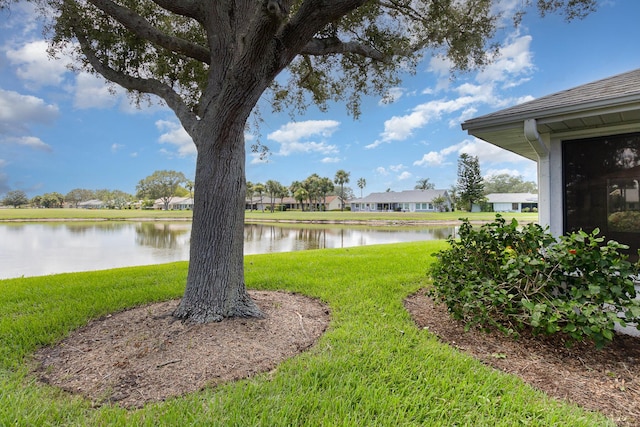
x: 329, y: 203
x: 175, y: 204
x: 510, y: 202
x: 586, y: 142
x: 91, y: 204
x: 403, y: 201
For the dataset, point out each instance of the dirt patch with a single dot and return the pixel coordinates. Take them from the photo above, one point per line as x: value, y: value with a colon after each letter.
x: 605, y: 380
x: 144, y: 355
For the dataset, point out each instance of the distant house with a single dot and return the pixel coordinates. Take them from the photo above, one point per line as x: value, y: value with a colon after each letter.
x: 91, y: 204
x: 175, y: 204
x: 510, y: 202
x: 586, y: 141
x: 330, y: 203
x: 403, y: 201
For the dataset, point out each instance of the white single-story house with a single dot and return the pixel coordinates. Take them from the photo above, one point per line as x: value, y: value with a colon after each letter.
x: 510, y: 202
x: 330, y: 203
x: 175, y: 204
x: 91, y: 204
x: 404, y: 201
x: 586, y: 142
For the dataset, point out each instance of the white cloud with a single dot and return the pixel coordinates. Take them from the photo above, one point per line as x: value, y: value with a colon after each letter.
x: 29, y: 142
x: 25, y: 19
x: 486, y: 153
x: 382, y: 171
x: 174, y: 134
x: 18, y: 111
x: 116, y: 147
x: 35, y: 66
x: 94, y: 92
x: 397, y: 168
x: 489, y: 153
x: 292, y: 137
x: 374, y: 144
x: 300, y: 130
x: 515, y: 59
x: 404, y: 175
x: 432, y: 158
x: 331, y: 160
x: 399, y: 128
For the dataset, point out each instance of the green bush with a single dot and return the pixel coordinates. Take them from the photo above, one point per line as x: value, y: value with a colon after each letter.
x: 506, y: 277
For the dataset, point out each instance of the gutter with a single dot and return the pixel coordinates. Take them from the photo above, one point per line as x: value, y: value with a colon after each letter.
x: 534, y: 139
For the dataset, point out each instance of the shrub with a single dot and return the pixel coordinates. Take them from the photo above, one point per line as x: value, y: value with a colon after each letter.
x: 507, y: 277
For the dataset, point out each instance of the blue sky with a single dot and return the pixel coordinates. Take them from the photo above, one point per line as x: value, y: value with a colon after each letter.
x: 60, y: 130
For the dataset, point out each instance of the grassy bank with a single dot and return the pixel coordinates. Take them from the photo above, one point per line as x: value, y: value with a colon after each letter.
x: 373, y: 367
x: 88, y: 214
x: 398, y: 217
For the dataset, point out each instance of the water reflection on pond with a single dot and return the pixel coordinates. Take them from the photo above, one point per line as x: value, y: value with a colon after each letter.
x: 33, y: 249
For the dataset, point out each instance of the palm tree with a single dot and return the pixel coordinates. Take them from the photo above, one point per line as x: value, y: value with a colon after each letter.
x: 341, y: 178
x: 249, y: 195
x: 361, y: 184
x: 424, y: 184
x: 259, y: 190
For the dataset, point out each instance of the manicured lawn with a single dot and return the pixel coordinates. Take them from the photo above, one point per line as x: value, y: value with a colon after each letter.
x: 112, y: 214
x: 372, y: 367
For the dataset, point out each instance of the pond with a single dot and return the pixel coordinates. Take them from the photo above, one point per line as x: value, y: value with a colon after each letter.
x: 35, y: 249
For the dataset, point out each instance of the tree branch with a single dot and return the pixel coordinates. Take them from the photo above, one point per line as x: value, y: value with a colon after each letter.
x: 188, y: 8
x: 152, y: 86
x: 326, y: 46
x: 141, y: 27
x: 312, y: 16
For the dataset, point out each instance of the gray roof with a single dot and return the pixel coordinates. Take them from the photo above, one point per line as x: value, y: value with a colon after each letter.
x: 407, y: 196
x: 606, y: 102
x: 512, y: 198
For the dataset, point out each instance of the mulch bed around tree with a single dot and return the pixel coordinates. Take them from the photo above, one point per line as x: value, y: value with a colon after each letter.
x: 606, y: 380
x: 144, y: 355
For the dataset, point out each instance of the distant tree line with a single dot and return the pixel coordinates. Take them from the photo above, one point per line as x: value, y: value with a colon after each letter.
x: 166, y: 184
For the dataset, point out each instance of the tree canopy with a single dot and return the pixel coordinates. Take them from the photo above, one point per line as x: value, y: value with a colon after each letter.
x: 162, y: 184
x: 15, y: 198
x: 505, y: 183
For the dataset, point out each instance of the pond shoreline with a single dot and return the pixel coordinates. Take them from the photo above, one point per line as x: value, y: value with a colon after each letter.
x: 371, y: 222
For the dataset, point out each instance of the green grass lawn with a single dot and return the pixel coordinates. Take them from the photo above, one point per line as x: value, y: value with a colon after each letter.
x: 334, y: 216
x: 89, y: 214
x: 373, y: 366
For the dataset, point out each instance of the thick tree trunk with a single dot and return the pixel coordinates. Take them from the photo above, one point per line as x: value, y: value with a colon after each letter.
x: 215, y: 282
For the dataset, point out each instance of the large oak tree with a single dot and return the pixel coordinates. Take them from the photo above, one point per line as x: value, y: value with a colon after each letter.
x: 211, y: 61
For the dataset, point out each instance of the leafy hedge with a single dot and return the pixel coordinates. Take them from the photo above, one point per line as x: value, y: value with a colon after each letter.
x: 508, y: 277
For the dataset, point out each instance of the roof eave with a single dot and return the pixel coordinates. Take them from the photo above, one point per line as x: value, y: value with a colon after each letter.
x: 548, y: 115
